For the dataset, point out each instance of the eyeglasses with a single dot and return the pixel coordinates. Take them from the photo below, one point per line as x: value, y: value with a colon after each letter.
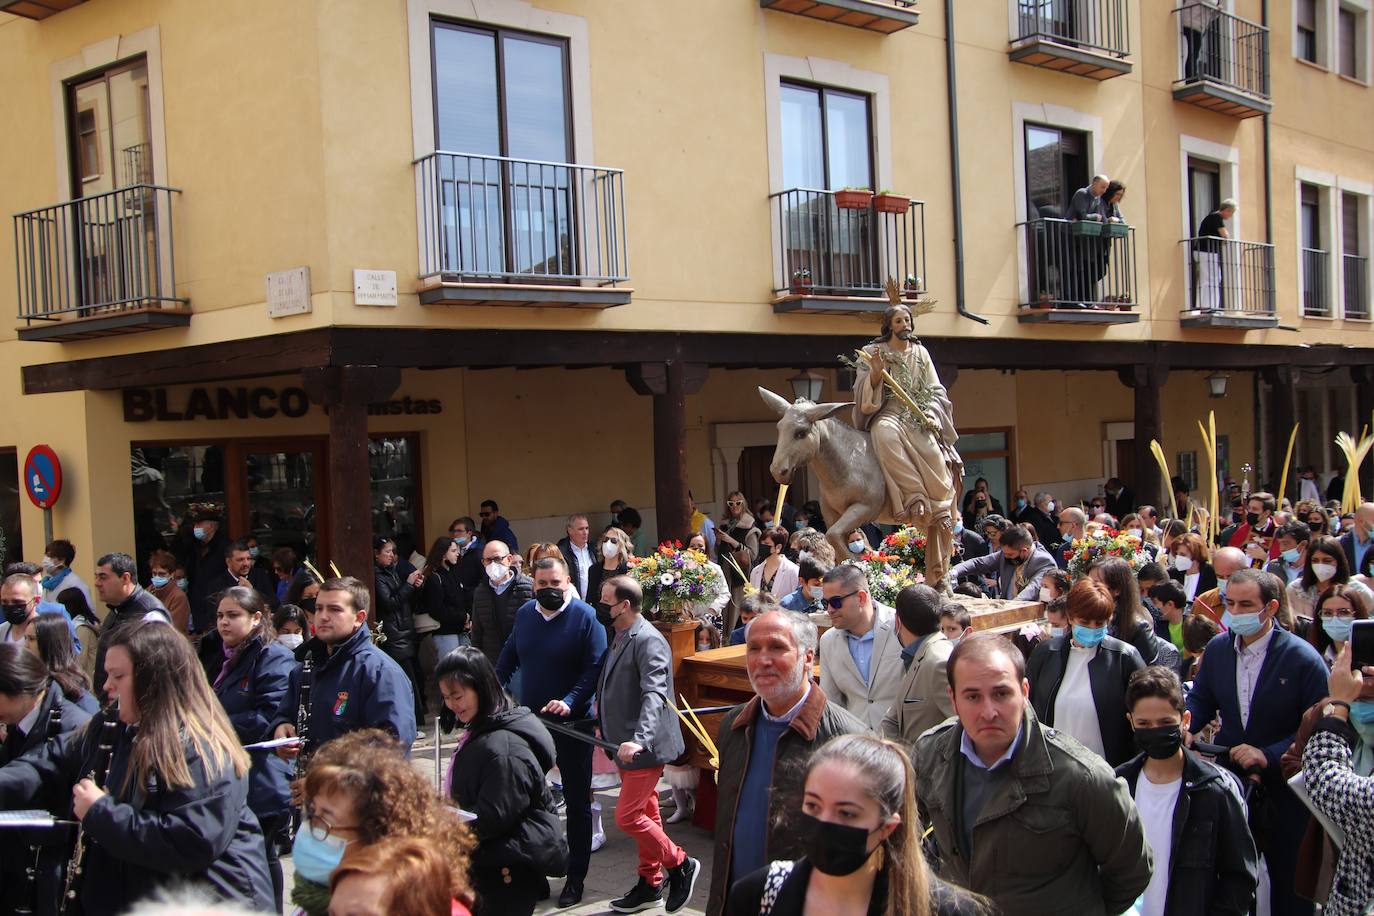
x: 320, y: 828
x: 838, y: 601
x: 1340, y: 613
x: 734, y: 502
x: 484, y: 515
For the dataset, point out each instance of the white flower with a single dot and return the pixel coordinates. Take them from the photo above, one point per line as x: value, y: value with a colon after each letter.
x: 666, y: 579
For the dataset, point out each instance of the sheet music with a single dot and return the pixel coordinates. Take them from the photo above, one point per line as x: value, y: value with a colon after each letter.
x: 30, y: 818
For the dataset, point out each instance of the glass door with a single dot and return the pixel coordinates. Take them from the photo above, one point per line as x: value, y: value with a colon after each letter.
x: 284, y: 493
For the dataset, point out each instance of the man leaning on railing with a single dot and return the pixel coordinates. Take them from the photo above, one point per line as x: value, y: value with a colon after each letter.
x: 1207, y: 250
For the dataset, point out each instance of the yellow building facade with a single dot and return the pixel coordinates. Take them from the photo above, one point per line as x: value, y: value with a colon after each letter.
x: 591, y: 228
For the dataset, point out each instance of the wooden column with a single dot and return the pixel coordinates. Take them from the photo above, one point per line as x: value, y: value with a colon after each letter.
x: 1146, y: 380
x: 669, y: 383
x: 1282, y: 411
x: 345, y: 392
x: 1363, y: 377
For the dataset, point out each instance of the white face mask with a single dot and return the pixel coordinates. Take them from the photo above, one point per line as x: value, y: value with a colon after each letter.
x: 1183, y: 563
x: 1049, y: 506
x: 1324, y: 572
x: 1045, y: 596
x: 1136, y: 533
x: 1056, y: 632
x: 496, y: 570
x: 816, y: 592
x: 292, y: 641
x: 610, y: 549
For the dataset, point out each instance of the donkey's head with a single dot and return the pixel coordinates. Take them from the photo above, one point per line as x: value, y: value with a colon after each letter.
x: 798, y: 438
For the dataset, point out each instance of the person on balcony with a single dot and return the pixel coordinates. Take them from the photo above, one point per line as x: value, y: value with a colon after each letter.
x: 1198, y: 18
x: 1207, y: 257
x: 1084, y: 253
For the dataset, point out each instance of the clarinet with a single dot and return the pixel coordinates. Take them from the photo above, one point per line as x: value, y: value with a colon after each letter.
x: 303, y: 725
x: 105, y: 742
x: 36, y: 849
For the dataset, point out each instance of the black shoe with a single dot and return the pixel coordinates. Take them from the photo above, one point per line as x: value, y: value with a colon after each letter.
x: 572, y: 894
x: 681, y: 881
x: 545, y: 892
x: 642, y: 896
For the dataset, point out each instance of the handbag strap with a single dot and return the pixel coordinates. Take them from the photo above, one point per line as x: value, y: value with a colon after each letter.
x: 778, y: 873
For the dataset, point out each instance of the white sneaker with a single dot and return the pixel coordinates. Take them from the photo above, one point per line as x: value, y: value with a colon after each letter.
x: 598, y: 840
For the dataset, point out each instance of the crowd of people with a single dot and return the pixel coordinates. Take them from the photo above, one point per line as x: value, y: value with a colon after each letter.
x: 1133, y: 752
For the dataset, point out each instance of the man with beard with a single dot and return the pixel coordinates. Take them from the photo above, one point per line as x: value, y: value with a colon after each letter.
x: 915, y: 449
x: 764, y: 745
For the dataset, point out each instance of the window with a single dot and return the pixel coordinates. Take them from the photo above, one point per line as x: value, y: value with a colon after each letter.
x: 1354, y: 257
x: 1315, y: 257
x: 1204, y: 190
x: 109, y: 134
x: 1352, y: 38
x: 987, y: 453
x: 826, y: 138
x: 393, y: 467
x: 1305, y: 43
x: 502, y: 103
x: 11, y: 533
x: 1056, y: 166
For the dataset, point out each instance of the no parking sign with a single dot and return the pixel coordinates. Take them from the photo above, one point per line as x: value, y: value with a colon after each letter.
x: 42, y: 476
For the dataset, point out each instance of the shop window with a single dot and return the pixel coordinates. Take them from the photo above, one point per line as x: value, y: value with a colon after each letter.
x: 393, y: 463
x: 11, y: 532
x: 987, y: 453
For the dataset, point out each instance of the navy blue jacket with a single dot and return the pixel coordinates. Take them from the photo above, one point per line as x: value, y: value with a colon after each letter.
x: 559, y: 659
x: 251, y: 694
x: 499, y: 530
x: 358, y: 686
x: 141, y: 837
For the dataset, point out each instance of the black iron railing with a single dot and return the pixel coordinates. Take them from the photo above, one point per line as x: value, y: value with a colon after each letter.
x: 1079, y: 264
x: 1356, y: 268
x: 136, y: 164
x: 831, y: 250
x: 1229, y: 275
x: 496, y: 218
x: 1221, y: 48
x: 1316, y: 283
x: 1102, y: 26
x: 104, y: 253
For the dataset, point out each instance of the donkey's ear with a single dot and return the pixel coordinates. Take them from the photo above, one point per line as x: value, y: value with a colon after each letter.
x: 817, y: 412
x: 774, y: 401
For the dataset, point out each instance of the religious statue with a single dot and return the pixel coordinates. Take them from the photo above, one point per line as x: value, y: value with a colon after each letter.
x: 897, y: 464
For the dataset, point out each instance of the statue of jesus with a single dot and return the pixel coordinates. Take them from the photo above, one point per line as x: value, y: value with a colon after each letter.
x: 898, y: 398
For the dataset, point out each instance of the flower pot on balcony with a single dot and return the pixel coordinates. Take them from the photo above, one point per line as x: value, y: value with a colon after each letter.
x: 853, y: 199
x: 1124, y: 303
x: 891, y: 203
x: 1116, y: 230
x: 1086, y: 228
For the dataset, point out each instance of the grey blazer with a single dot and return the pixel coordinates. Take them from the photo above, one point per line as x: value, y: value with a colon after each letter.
x: 633, y: 693
x: 995, y: 564
x: 840, y: 677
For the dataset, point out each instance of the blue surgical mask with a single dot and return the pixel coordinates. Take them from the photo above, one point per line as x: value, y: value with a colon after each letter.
x: 182, y: 583
x: 159, y: 581
x: 315, y: 860
x: 816, y: 592
x: 1056, y: 632
x: 958, y: 527
x: 1020, y: 504
x: 1291, y: 556
x: 856, y: 547
x: 1221, y: 588
x: 1226, y: 619
x: 1362, y: 711
x: 1089, y: 636
x: 253, y: 552
x: 1338, y: 628
x: 199, y: 533
x: 1246, y: 624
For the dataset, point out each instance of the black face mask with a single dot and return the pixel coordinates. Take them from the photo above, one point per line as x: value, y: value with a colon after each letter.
x: 1014, y: 561
x: 1252, y: 518
x: 603, y: 615
x: 308, y: 605
x: 1159, y: 743
x: 16, y: 614
x: 833, y: 849
x: 550, y: 599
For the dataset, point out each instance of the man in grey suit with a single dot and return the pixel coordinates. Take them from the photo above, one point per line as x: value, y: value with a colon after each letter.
x: 634, y: 700
x: 862, y: 667
x: 923, y: 701
x: 1018, y: 565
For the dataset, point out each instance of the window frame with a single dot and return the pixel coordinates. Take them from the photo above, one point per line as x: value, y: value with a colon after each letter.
x: 75, y: 137
x: 1362, y: 11
x: 1323, y: 185
x: 870, y: 136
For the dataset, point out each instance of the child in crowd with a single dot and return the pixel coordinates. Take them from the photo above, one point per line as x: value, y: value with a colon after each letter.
x: 955, y: 622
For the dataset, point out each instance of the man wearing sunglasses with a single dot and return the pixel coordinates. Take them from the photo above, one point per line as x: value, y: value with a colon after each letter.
x: 495, y: 527
x: 863, y: 657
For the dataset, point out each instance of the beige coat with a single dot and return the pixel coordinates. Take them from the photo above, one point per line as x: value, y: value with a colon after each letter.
x: 840, y: 676
x: 923, y: 702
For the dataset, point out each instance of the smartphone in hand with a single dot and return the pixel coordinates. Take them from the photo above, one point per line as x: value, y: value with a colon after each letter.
x: 1361, y: 644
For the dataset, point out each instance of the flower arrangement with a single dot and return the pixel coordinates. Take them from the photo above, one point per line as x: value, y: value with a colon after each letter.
x: 1100, y: 544
x: 908, y: 545
x: 887, y: 575
x: 674, y: 578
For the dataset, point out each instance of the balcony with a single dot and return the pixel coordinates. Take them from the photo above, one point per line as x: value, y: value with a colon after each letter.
x: 1224, y: 65
x: 37, y: 9
x: 885, y: 16
x: 1356, y: 277
x: 497, y: 231
x: 1088, y: 38
x: 99, y: 266
x: 1230, y: 284
x: 835, y: 260
x: 1316, y: 287
x: 1078, y: 272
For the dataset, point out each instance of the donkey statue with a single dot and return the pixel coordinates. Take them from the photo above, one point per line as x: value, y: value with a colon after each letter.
x: 853, y: 491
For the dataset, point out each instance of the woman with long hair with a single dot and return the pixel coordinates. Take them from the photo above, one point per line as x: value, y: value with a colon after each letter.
x: 612, y: 554
x: 442, y: 597
x: 1131, y: 623
x: 862, y: 835
x: 1333, y: 617
x: 359, y: 791
x: 34, y: 710
x: 497, y: 773
x: 50, y: 638
x: 87, y: 627
x: 173, y: 806
x: 250, y: 685
x: 1327, y: 567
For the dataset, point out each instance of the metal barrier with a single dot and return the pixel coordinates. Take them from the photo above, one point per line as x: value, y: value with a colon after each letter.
x: 492, y: 217
x: 1222, y: 48
x: 104, y: 253
x: 1078, y: 264
x: 838, y: 251
x: 1229, y: 275
x: 1093, y: 25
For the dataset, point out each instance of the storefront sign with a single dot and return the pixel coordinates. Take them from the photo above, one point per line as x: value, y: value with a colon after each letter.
x: 288, y: 292
x: 142, y: 405
x: 374, y: 287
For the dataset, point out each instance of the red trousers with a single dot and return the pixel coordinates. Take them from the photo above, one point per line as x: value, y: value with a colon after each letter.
x: 636, y: 814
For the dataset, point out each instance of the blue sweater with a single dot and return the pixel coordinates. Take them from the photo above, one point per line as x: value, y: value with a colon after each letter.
x: 557, y: 658
x: 751, y: 814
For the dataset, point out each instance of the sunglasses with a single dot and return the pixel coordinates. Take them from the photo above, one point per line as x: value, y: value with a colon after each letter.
x: 838, y: 601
